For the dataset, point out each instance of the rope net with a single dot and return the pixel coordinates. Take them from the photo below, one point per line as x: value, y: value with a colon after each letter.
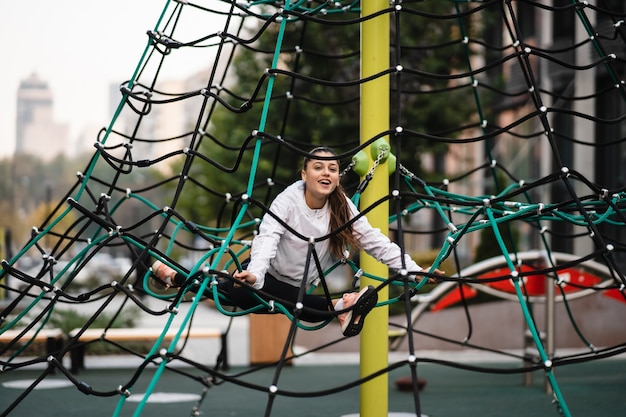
x: 503, y: 116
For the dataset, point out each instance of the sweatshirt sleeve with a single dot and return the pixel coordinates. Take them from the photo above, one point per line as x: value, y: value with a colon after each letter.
x: 380, y: 247
x: 265, y: 243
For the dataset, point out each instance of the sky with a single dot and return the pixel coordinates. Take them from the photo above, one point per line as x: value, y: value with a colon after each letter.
x: 79, y: 48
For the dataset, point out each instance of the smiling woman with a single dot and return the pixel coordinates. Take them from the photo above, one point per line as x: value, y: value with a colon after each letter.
x: 314, y: 208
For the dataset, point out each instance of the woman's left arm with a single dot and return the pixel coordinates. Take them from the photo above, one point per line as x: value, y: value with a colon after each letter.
x: 379, y: 246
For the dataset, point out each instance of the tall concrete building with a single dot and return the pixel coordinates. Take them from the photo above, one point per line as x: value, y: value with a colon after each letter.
x: 36, y: 131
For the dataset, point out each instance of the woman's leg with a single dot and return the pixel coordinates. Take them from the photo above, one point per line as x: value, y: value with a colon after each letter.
x: 244, y: 298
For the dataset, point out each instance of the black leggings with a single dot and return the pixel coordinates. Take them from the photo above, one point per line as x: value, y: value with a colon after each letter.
x: 244, y: 298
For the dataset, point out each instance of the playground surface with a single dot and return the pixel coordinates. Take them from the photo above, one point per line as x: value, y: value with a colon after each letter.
x: 589, y: 389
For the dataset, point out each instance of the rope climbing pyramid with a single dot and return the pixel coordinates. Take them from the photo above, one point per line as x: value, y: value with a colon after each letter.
x: 503, y: 126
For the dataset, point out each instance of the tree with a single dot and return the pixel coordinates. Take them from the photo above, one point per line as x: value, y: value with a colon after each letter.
x: 315, y: 100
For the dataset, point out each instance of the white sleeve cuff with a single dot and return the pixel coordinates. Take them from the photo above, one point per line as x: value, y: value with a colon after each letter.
x: 260, y: 281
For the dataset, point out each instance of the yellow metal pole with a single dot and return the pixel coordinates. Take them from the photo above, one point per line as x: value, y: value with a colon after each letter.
x: 374, y: 398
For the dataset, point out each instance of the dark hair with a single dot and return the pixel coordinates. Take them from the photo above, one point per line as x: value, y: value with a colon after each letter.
x: 340, y: 214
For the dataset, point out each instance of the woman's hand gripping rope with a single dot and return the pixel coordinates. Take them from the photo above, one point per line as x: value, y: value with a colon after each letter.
x: 244, y: 276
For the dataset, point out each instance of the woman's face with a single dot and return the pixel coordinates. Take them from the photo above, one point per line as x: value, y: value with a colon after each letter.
x: 321, y: 177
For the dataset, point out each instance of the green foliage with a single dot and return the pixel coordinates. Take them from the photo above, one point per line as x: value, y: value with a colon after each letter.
x: 68, y: 320
x: 30, y: 188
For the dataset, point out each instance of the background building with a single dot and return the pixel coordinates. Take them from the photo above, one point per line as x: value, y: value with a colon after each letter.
x: 36, y: 131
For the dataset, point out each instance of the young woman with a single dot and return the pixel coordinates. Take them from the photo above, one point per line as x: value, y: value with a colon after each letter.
x: 314, y: 206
